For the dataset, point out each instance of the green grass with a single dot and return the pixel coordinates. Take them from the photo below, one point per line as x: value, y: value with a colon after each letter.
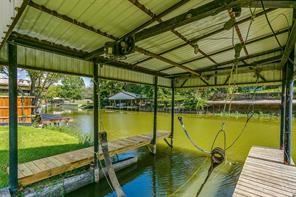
x: 35, y: 143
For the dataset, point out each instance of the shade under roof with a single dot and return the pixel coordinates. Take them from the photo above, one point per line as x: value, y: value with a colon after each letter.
x: 96, y: 22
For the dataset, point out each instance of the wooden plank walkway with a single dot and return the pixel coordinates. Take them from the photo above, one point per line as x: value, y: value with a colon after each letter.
x: 34, y: 171
x: 264, y: 174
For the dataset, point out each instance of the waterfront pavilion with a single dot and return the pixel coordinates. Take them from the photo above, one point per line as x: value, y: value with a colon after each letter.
x: 178, y: 44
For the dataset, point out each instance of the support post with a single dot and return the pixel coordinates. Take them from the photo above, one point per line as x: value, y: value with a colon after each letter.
x: 155, y: 114
x: 283, y: 107
x: 96, y: 113
x: 13, y: 147
x: 172, y: 113
x: 288, y: 110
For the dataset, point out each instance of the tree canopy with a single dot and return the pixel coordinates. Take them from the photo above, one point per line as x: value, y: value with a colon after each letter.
x: 72, y: 87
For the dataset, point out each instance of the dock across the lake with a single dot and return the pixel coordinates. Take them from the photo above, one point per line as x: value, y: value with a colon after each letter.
x: 265, y: 174
x: 34, y: 171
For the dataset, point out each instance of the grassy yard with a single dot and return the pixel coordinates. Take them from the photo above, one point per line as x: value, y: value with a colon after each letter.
x: 34, y: 143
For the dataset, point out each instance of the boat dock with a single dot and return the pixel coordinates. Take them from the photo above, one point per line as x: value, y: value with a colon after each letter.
x: 265, y: 174
x: 34, y: 171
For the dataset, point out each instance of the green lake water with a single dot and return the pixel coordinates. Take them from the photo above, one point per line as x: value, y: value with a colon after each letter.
x: 181, y: 171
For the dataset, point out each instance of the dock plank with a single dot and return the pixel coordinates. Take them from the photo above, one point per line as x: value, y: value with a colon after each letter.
x: 34, y: 171
x: 265, y: 174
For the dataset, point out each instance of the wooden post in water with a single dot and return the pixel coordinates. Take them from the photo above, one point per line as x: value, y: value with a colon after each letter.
x: 172, y: 113
x: 155, y: 114
x: 13, y: 147
x: 288, y: 110
x: 96, y: 113
x: 283, y: 107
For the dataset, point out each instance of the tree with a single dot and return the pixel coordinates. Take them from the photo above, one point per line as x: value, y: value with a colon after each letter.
x: 72, y: 87
x: 52, y: 92
x: 40, y: 82
x: 109, y: 88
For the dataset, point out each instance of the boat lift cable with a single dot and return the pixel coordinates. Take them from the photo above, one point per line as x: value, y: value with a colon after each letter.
x: 218, y: 155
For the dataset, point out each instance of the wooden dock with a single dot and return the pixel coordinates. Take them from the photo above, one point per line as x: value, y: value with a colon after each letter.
x: 34, y: 171
x: 264, y: 174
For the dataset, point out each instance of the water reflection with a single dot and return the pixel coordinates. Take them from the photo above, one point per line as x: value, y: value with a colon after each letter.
x: 181, y: 171
x: 170, y: 173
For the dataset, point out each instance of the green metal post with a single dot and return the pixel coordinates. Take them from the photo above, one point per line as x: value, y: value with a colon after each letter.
x: 96, y: 113
x: 283, y: 107
x: 155, y: 114
x: 172, y: 113
x: 13, y: 148
x: 288, y: 111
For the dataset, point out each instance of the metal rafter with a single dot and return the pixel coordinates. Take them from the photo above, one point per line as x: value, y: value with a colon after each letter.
x: 141, y: 50
x: 85, y: 26
x: 228, y: 49
x: 120, y: 64
x: 273, y: 4
x: 70, y: 20
x: 14, y: 22
x: 238, y: 32
x: 194, y: 40
x: 273, y: 82
x: 43, y: 45
x: 231, y: 47
x: 273, y: 59
x: 100, y: 51
x: 175, y: 32
x: 242, y: 59
x: 209, y: 9
x: 290, y: 44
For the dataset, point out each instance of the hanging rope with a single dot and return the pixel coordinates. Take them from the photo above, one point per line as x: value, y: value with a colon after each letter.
x: 110, y: 170
x: 190, y: 139
x: 217, y: 154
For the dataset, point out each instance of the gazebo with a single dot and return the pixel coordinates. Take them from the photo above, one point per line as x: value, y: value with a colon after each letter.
x: 124, y: 99
x: 173, y: 44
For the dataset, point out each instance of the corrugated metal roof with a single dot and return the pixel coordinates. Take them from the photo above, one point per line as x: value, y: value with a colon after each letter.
x: 119, y: 17
x: 124, y: 95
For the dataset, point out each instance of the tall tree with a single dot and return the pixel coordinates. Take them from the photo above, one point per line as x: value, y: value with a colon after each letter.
x: 40, y: 82
x: 72, y: 87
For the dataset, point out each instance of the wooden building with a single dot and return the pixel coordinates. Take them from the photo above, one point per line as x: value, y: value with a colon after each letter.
x: 24, y: 109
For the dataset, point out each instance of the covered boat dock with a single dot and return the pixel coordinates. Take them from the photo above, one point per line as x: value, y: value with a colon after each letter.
x: 173, y: 44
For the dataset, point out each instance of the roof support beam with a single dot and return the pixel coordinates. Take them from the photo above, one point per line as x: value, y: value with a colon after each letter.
x: 208, y: 35
x: 255, y: 55
x: 100, y: 51
x: 35, y: 43
x: 70, y: 20
x: 44, y: 45
x: 242, y: 59
x: 14, y: 22
x: 238, y: 32
x: 246, y: 43
x: 290, y: 45
x: 273, y: 4
x: 228, y: 49
x: 255, y: 66
x: 84, y: 26
x: 141, y: 50
x: 119, y: 64
x: 198, y: 13
x: 192, y: 15
x: 179, y: 35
